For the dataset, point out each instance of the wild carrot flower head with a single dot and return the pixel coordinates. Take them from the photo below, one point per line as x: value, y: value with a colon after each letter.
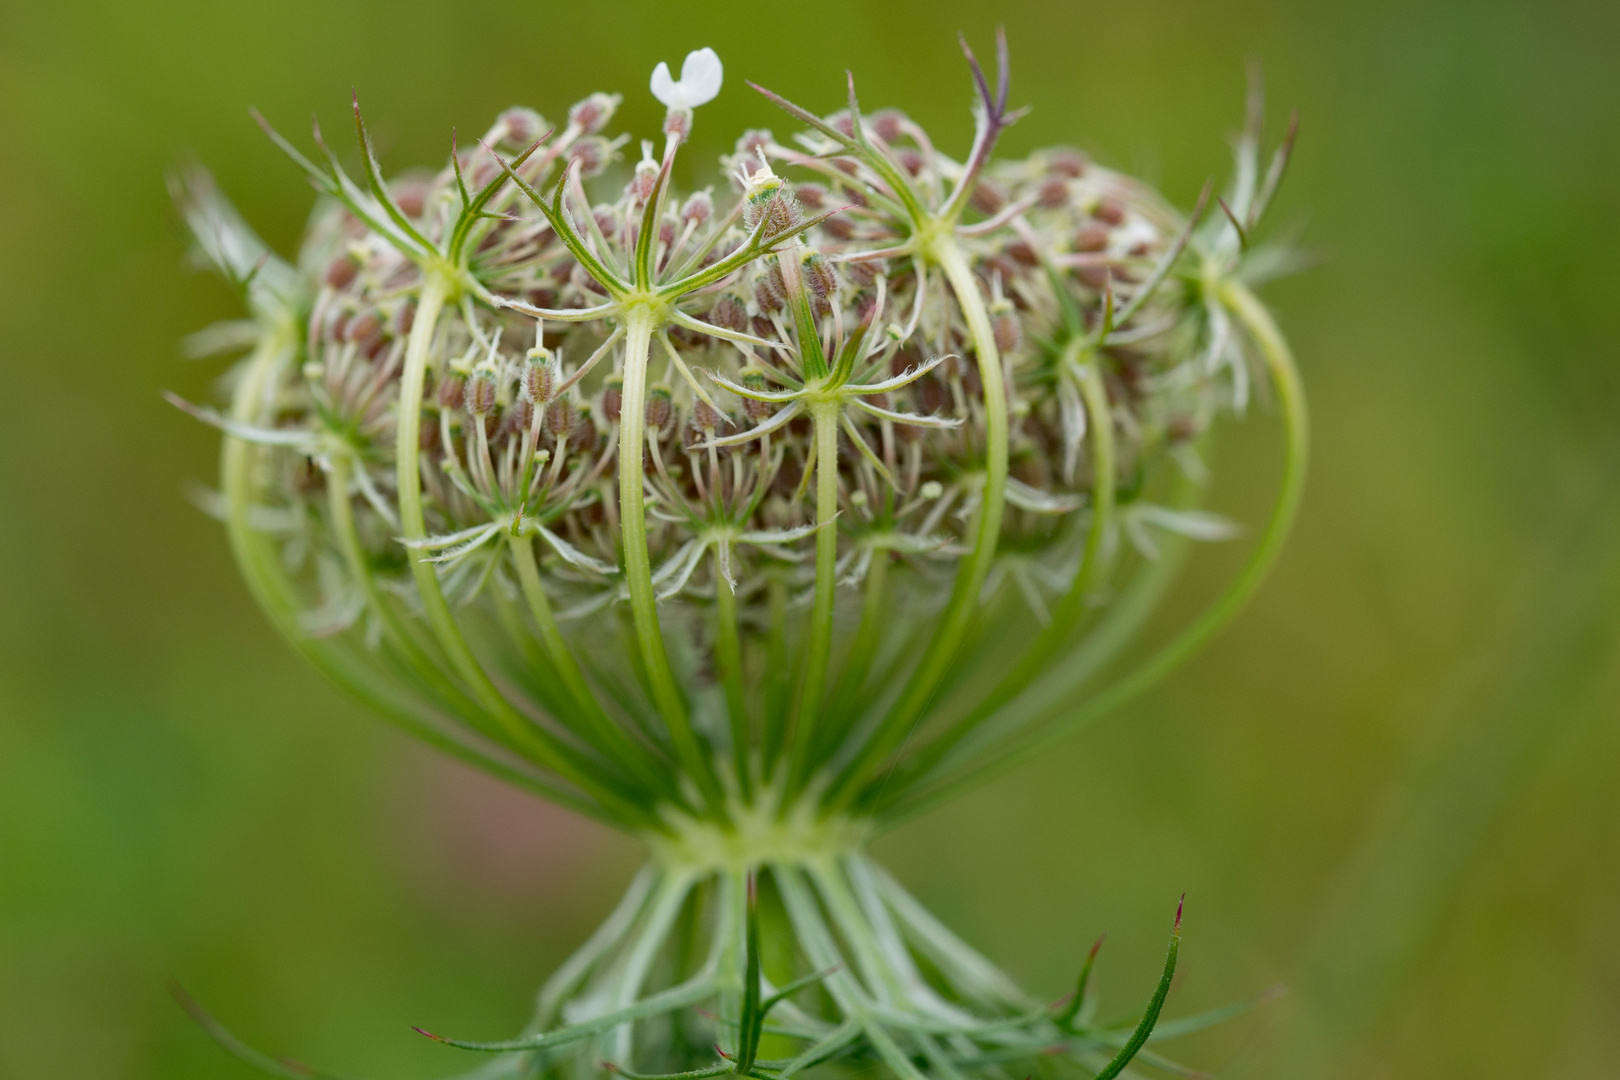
x: 749, y: 519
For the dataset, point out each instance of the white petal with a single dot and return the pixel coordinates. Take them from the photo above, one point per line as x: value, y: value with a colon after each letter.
x: 664, y: 87
x: 701, y: 74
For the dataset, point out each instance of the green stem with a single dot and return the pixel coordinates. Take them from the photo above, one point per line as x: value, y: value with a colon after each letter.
x: 1071, y: 609
x: 818, y: 653
x: 518, y: 732
x: 778, y: 676
x: 1279, y: 362
x: 604, y: 733
x: 862, y: 651
x: 728, y: 657
x: 638, y: 563
x: 954, y: 621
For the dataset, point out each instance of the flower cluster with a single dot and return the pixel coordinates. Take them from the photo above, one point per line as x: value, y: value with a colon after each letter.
x: 752, y: 517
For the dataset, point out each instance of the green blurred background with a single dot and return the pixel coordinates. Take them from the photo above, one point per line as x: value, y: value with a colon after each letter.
x: 1391, y: 785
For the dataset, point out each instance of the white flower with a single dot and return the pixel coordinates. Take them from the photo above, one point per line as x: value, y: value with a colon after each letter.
x: 699, y: 83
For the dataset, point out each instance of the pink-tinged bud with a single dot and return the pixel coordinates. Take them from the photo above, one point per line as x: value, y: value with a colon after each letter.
x: 479, y: 397
x: 989, y: 197
x: 812, y: 195
x: 888, y: 124
x: 1023, y: 254
x: 342, y: 271
x: 839, y: 228
x: 593, y: 114
x: 1091, y: 239
x: 678, y: 123
x: 539, y: 376
x: 559, y: 419
x: 590, y: 156
x: 865, y: 272
x: 1182, y: 429
x: 1069, y: 163
x: 365, y: 331
x: 660, y: 407
x: 911, y: 160
x: 819, y: 276
x: 865, y: 302
x: 410, y: 195
x: 613, y: 398
x: 1004, y: 324
x: 404, y: 318
x: 641, y: 185
x: 754, y: 379
x: 729, y: 313
x: 843, y: 122
x: 1053, y: 195
x: 749, y: 145
x: 770, y: 289
x: 451, y: 388
x: 520, y: 127
x: 605, y: 220
x: 1093, y: 277
x: 776, y: 206
x: 583, y: 432
x: 697, y: 209
x: 666, y: 233
x: 705, y: 417
x: 1109, y: 212
x: 517, y: 418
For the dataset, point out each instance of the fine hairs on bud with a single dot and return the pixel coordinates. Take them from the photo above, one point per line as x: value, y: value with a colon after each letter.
x: 698, y: 208
x: 612, y: 398
x: 592, y: 114
x: 479, y: 398
x: 660, y: 407
x: 539, y: 375
x: 819, y: 276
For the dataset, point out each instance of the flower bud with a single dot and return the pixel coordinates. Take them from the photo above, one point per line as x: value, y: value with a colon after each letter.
x: 1109, y: 212
x: 519, y: 128
x: 1053, y: 195
x: 747, y: 159
x: 678, y: 123
x: 612, y: 398
x: 404, y: 318
x: 640, y: 187
x: 539, y: 376
x: 451, y: 388
x: 479, y: 397
x: 342, y: 270
x: 728, y: 312
x: 697, y: 209
x: 583, y: 432
x: 819, y: 276
x: 888, y: 124
x: 865, y: 272
x: 1091, y: 239
x: 1009, y: 333
x: 754, y: 379
x: 659, y: 407
x: 705, y: 416
x: 593, y: 114
x: 560, y: 417
x: 590, y: 156
x: 811, y: 195
x: 988, y: 197
x: 1069, y: 163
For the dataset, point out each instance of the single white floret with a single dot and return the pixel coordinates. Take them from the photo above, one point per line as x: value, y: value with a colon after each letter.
x: 701, y: 74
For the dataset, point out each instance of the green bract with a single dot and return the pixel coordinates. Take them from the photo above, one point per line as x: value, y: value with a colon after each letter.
x: 749, y: 528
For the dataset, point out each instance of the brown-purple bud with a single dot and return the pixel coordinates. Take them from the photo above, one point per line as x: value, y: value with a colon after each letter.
x: 754, y: 379
x: 451, y: 388
x: 1109, y: 212
x: 1091, y: 239
x: 612, y: 398
x: 659, y: 407
x: 1054, y: 194
x: 1069, y: 163
x: 988, y: 197
x: 697, y: 209
x: 593, y: 114
x: 811, y: 195
x: 1009, y: 333
x: 560, y: 417
x: 479, y: 397
x: 520, y: 127
x: 590, y: 156
x: 342, y: 271
x: 705, y: 416
x: 728, y: 312
x: 888, y: 124
x: 678, y: 123
x: 819, y: 276
x: 539, y: 376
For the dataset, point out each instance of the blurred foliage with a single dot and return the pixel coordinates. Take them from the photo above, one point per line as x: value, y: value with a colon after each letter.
x: 1390, y: 786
